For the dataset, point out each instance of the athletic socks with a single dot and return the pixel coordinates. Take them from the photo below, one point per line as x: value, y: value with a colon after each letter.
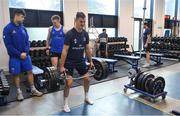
x: 19, y: 90
x: 66, y: 107
x: 33, y: 88
x: 87, y: 100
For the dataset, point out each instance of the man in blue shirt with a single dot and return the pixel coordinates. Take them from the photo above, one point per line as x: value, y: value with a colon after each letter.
x: 75, y: 45
x: 147, y: 43
x: 16, y: 41
x: 103, y: 40
x: 55, y: 40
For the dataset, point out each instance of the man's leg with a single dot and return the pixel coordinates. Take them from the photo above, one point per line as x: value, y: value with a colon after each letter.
x: 15, y: 69
x: 17, y: 83
x: 26, y: 66
x: 148, y: 57
x: 34, y: 91
x: 86, y: 89
x: 67, y: 87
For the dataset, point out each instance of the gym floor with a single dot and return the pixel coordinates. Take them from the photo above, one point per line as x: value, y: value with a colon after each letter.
x: 108, y: 97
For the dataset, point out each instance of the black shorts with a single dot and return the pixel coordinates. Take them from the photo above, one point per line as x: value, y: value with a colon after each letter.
x: 54, y: 54
x: 81, y: 67
x: 102, y: 46
x: 148, y: 48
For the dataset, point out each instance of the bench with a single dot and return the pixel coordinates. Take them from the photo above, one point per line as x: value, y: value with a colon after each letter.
x: 132, y: 60
x: 111, y: 63
x: 153, y: 56
x: 38, y: 75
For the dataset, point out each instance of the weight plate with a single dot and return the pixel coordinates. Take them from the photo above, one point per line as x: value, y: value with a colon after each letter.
x: 136, y: 78
x: 141, y: 84
x: 146, y: 81
x: 139, y: 81
x: 159, y: 85
x: 102, y: 69
x: 132, y: 73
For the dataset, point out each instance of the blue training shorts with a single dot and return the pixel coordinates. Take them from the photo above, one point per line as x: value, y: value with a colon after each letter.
x: 17, y: 65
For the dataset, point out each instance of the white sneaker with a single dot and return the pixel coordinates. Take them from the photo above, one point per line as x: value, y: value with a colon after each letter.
x: 36, y: 93
x: 19, y: 96
x: 146, y: 65
x: 66, y: 108
x: 89, y: 102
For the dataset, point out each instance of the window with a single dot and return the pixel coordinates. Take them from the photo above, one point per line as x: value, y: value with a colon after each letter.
x: 138, y: 8
x: 55, y: 5
x: 178, y: 16
x: 170, y: 7
x: 41, y: 35
x: 107, y: 7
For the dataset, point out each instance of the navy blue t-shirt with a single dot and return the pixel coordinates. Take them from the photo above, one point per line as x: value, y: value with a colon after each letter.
x: 77, y: 42
x: 146, y: 33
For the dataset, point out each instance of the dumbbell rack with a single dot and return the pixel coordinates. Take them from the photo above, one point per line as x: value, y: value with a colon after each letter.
x: 114, y: 42
x: 154, y: 97
x: 169, y: 46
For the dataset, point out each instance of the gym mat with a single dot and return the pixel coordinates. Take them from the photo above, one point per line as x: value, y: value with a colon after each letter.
x: 114, y: 105
x: 24, y: 87
x: 121, y: 66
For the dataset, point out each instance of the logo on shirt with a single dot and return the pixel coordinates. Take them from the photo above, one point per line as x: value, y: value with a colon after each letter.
x: 4, y: 36
x: 13, y: 32
x: 75, y: 41
x: 84, y: 39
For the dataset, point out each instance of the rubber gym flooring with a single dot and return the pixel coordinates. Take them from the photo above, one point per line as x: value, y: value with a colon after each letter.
x: 110, y: 101
x: 114, y: 105
x: 121, y: 66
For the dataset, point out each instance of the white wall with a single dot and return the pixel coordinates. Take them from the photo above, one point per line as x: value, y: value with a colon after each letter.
x: 126, y: 22
x: 158, y: 18
x: 71, y: 7
x: 4, y: 19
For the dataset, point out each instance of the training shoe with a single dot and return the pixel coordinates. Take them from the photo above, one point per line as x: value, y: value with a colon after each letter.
x: 146, y: 65
x: 66, y: 108
x: 19, y: 96
x: 36, y: 93
x: 88, y: 101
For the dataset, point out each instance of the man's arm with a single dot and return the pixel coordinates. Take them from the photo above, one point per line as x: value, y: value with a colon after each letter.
x: 64, y: 55
x: 148, y: 38
x: 88, y: 53
x: 27, y: 43
x: 7, y: 41
x: 48, y: 37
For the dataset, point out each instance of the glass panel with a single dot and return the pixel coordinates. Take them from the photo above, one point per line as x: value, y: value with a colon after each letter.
x: 170, y: 7
x: 136, y: 35
x: 41, y: 35
x: 138, y: 8
x: 55, y: 5
x: 102, y: 7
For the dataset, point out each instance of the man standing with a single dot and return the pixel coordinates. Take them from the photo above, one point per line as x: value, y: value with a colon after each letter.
x: 147, y: 43
x: 55, y: 40
x: 103, y: 39
x: 76, y: 43
x: 16, y: 41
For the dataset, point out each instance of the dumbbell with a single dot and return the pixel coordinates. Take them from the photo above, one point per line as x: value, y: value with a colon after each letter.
x: 44, y: 43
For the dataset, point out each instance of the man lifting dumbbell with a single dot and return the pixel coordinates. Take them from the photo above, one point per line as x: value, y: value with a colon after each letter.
x: 16, y: 40
x: 76, y: 43
x: 55, y: 40
x: 147, y: 43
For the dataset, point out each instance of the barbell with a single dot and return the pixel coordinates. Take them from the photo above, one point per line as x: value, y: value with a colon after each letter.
x: 52, y: 78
